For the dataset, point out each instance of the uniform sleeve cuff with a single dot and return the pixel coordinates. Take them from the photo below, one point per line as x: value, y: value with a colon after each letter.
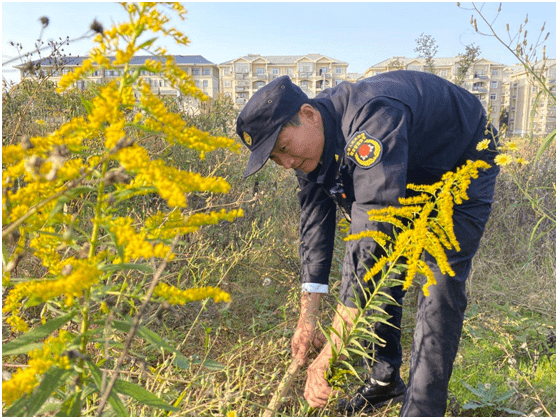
x: 316, y: 288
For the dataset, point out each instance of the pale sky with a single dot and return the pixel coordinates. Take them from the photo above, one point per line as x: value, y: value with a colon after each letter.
x: 360, y: 33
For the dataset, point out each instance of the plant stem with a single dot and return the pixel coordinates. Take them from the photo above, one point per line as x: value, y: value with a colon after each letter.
x: 134, y: 328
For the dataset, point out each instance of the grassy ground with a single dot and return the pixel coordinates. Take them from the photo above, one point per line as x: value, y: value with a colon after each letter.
x: 506, y: 363
x: 239, y: 352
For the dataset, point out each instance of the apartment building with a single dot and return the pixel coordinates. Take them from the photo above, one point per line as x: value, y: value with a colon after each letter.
x: 485, y: 79
x: 204, y: 73
x: 524, y: 94
x: 243, y: 76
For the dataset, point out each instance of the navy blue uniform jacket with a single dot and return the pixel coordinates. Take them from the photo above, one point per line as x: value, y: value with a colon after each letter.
x: 424, y: 124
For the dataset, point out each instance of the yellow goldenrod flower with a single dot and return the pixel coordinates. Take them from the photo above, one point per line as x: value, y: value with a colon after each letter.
x: 503, y: 159
x: 40, y: 360
x: 483, y: 145
x: 430, y: 225
x: 176, y: 296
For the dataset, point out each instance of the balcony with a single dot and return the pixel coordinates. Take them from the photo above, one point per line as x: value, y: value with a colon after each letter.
x: 305, y: 75
x: 241, y: 76
x: 263, y: 76
x: 481, y: 77
x: 480, y: 89
x: 241, y: 88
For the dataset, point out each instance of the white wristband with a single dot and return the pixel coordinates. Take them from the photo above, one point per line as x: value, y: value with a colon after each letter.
x: 316, y: 288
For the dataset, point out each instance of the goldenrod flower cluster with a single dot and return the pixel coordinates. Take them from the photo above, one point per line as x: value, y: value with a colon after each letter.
x: 40, y: 360
x: 136, y: 244
x: 83, y: 274
x: 166, y: 226
x: 60, y: 197
x: 177, y: 296
x: 425, y: 223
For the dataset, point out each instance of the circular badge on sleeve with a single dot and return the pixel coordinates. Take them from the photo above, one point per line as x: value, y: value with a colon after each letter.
x: 364, y: 150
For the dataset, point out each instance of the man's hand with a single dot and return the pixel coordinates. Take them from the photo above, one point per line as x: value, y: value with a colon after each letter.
x: 317, y: 390
x: 306, y: 333
x: 306, y: 336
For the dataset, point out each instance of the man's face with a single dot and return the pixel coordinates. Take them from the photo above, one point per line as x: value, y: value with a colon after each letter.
x: 301, y: 147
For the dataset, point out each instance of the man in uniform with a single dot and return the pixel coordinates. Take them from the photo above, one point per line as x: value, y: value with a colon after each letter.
x: 356, y: 147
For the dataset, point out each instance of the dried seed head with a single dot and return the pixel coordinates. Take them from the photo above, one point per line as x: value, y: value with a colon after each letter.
x: 84, y: 251
x: 52, y: 174
x: 12, y: 264
x: 61, y: 151
x: 97, y: 27
x: 67, y: 270
x: 34, y: 164
x: 25, y: 143
x: 44, y: 21
x: 116, y: 176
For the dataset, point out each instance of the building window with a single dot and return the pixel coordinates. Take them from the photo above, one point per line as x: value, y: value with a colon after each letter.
x: 227, y: 83
x: 260, y: 84
x: 206, y: 71
x: 494, y: 85
x: 323, y: 70
x: 493, y: 96
x: 259, y: 71
x: 205, y: 83
x: 338, y: 70
x: 195, y: 71
x: 495, y: 72
x: 275, y: 71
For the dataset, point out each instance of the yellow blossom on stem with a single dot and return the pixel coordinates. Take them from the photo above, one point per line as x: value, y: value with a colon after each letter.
x: 40, y: 360
x: 177, y: 296
x: 483, y: 145
x: 425, y: 223
x: 503, y: 159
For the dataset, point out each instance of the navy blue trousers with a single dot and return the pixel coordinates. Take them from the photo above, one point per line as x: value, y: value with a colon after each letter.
x: 440, y: 315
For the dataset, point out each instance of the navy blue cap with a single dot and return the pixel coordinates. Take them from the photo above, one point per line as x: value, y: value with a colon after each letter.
x: 263, y: 117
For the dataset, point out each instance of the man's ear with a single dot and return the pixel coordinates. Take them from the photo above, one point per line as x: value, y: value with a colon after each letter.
x: 308, y: 112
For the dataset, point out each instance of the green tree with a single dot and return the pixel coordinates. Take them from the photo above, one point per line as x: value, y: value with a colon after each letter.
x: 466, y: 61
x: 427, y: 49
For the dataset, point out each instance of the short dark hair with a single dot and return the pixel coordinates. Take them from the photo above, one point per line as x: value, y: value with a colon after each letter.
x: 293, y: 122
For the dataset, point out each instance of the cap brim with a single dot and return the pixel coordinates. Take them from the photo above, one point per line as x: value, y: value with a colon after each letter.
x: 260, y: 155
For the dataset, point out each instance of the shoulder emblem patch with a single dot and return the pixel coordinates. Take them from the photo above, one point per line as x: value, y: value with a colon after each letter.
x: 247, y: 138
x: 364, y: 150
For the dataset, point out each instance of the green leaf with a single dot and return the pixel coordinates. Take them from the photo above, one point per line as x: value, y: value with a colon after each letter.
x: 71, y: 406
x: 546, y: 143
x: 113, y: 399
x: 87, y: 104
x: 141, y: 395
x: 25, y: 343
x: 28, y: 406
x: 127, y: 266
x: 180, y: 360
x: 147, y: 43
